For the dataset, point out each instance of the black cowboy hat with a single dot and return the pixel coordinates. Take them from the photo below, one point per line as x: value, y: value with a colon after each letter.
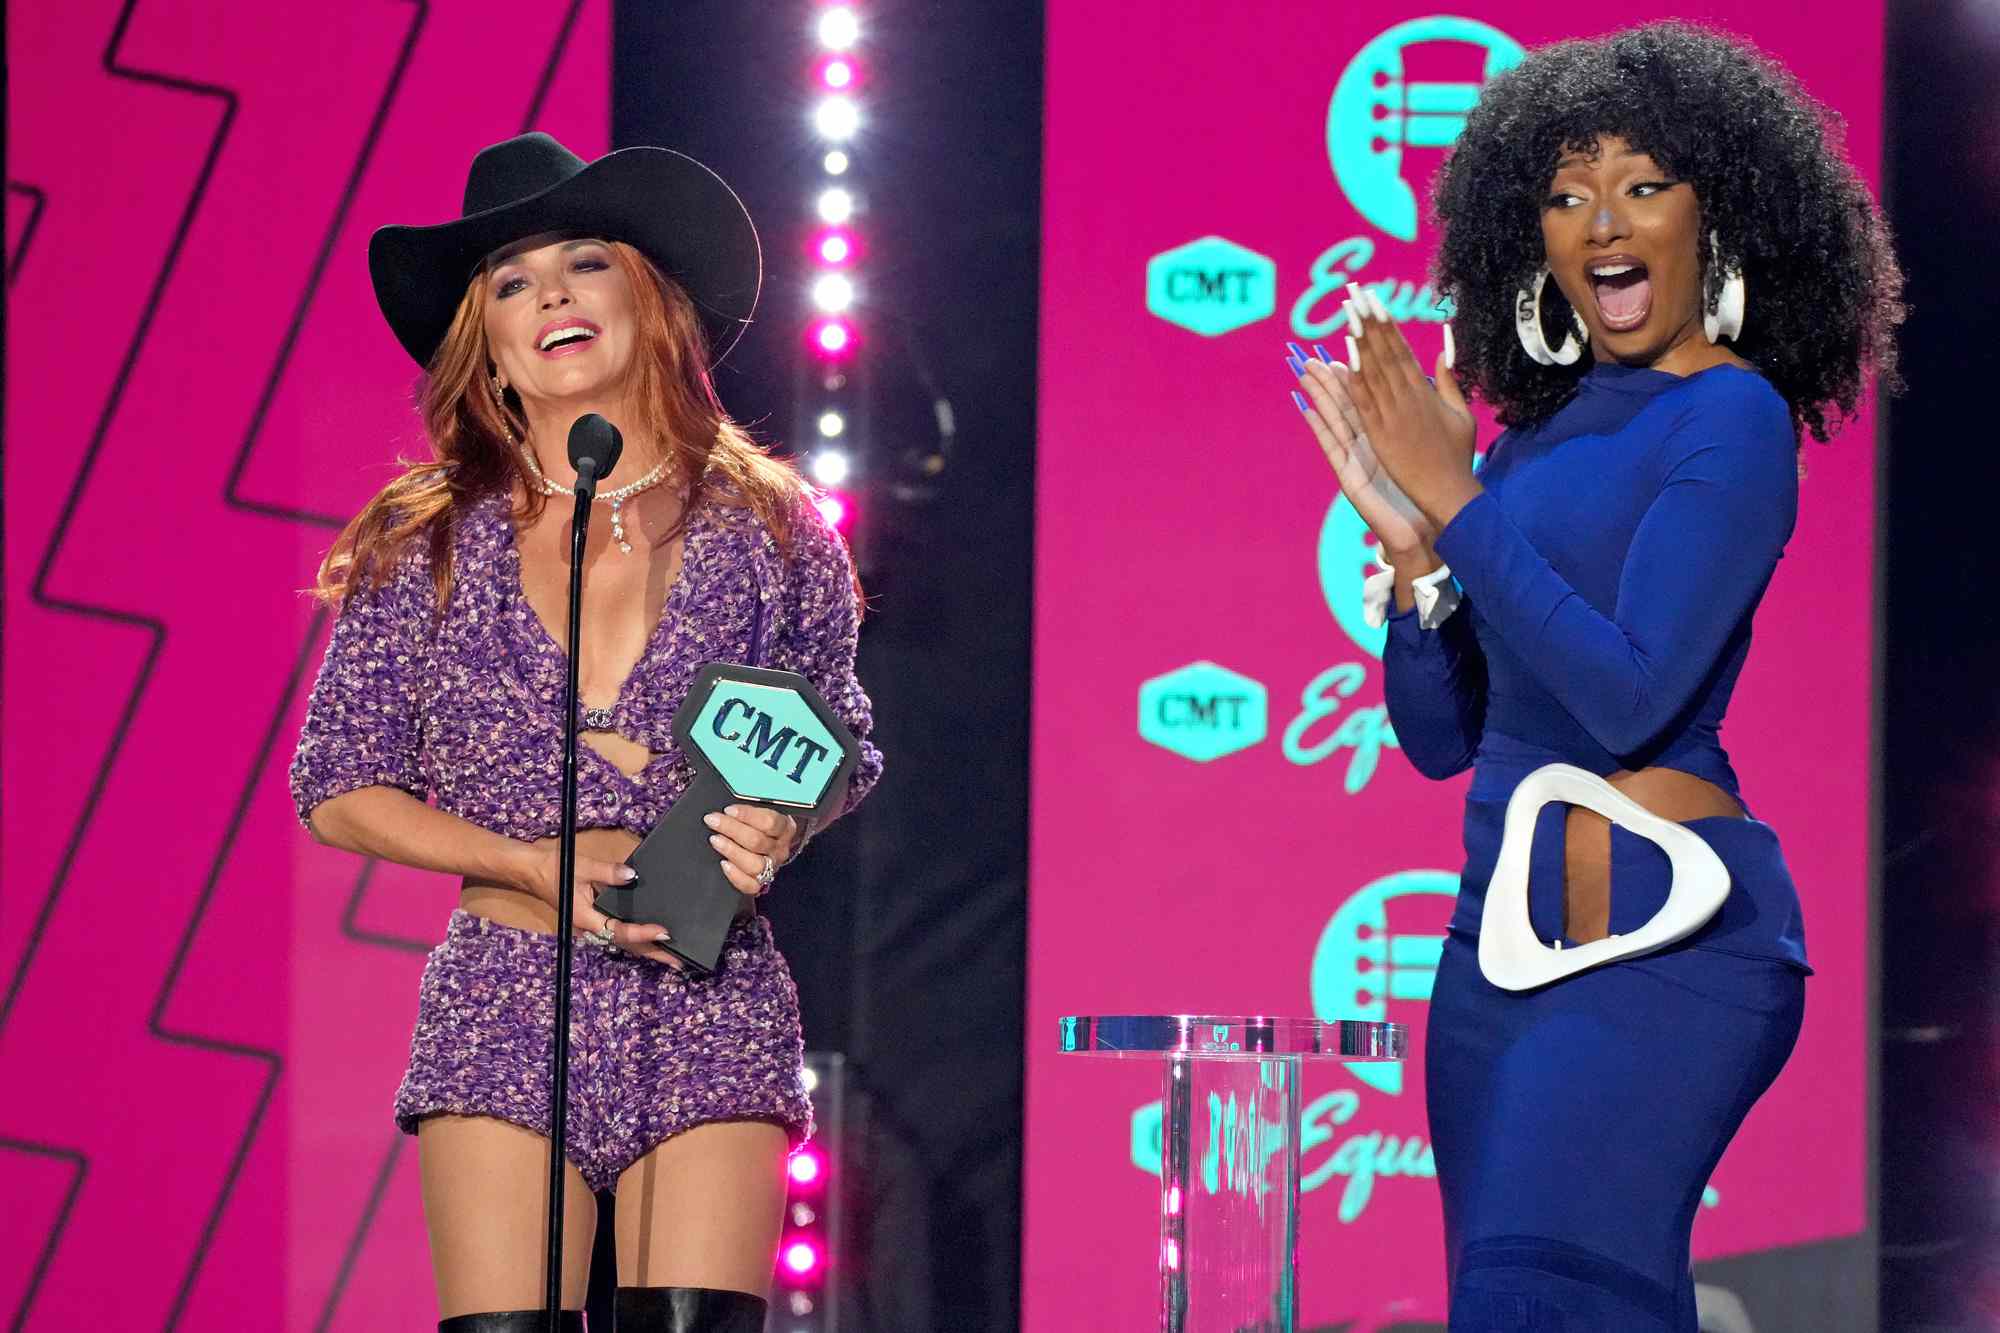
x: 674, y: 209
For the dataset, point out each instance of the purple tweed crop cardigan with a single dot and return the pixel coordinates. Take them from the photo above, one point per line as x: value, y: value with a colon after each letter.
x: 465, y: 708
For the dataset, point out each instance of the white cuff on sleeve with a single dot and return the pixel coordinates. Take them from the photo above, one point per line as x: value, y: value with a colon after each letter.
x: 1436, y: 593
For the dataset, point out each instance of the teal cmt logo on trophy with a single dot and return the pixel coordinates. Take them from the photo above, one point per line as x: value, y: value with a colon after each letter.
x: 1211, y: 286
x: 754, y: 737
x: 1377, y: 112
x: 1203, y: 711
x: 1359, y: 965
x: 767, y: 742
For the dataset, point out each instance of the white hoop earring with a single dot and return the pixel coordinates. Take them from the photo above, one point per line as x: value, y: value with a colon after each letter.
x: 1725, y: 319
x: 1528, y: 327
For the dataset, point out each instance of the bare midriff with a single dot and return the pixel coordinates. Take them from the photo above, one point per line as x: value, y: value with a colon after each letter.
x: 509, y: 906
x: 1666, y: 792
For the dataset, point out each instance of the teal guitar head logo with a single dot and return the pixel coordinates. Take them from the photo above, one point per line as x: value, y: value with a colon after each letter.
x: 1358, y: 966
x: 1211, y: 286
x: 1377, y: 112
x: 1346, y: 557
x: 767, y: 743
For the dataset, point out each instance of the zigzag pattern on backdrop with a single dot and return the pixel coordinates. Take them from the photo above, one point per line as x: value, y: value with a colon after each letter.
x: 225, y: 1198
x: 17, y: 246
x: 155, y: 630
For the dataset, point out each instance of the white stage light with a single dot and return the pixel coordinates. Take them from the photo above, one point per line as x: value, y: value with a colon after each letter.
x: 835, y: 163
x: 833, y: 293
x: 831, y: 424
x: 835, y: 205
x: 830, y: 467
x: 837, y: 118
x: 838, y: 28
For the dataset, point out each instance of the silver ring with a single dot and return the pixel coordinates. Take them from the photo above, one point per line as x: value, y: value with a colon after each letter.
x: 603, y: 934
x: 768, y: 873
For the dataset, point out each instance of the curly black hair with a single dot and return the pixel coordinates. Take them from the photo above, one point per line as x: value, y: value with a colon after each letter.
x: 1767, y: 165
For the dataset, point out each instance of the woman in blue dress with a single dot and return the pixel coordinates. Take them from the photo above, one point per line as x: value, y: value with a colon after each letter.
x: 1663, y: 273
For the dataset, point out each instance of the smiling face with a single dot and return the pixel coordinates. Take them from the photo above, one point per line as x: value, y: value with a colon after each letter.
x: 559, y: 319
x: 1621, y: 238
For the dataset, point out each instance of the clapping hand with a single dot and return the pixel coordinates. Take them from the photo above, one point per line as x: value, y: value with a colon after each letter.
x: 1421, y: 433
x: 1329, y: 410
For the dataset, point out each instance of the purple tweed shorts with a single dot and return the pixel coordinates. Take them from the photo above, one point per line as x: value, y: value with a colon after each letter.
x: 651, y: 1053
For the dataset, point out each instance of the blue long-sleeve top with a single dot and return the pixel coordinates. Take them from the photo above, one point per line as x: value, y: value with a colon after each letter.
x: 1610, y: 570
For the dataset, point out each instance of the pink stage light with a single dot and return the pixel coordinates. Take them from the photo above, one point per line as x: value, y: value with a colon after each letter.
x: 806, y: 1166
x: 802, y: 1258
x: 833, y: 337
x: 835, y: 510
x: 837, y: 73
x: 835, y: 247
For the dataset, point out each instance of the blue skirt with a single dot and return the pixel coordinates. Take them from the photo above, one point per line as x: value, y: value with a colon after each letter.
x: 1575, y: 1128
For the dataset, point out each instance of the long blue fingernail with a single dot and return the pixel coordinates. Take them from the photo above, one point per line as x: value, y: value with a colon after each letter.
x: 1300, y: 399
x: 1296, y: 350
x: 1298, y: 366
x: 1320, y: 352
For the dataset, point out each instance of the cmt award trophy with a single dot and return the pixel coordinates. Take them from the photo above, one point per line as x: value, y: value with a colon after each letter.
x: 754, y: 737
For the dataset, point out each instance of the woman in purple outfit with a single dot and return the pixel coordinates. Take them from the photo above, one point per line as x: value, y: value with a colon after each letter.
x: 434, y: 734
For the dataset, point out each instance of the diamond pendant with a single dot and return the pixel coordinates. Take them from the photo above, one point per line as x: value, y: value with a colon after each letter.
x: 618, y: 526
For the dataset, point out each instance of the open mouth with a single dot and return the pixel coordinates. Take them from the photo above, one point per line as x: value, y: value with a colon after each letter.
x: 1624, y: 293
x: 567, y: 338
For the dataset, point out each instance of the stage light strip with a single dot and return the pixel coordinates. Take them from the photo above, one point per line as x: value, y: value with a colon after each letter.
x: 832, y: 336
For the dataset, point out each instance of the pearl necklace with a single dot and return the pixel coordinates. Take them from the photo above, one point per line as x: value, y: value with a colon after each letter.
x: 616, y: 499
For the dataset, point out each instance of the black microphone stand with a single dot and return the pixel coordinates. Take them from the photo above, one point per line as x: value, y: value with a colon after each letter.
x: 586, y: 492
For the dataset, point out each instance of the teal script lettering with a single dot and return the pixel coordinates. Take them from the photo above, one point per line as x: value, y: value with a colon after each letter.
x: 1365, y: 731
x: 1362, y: 1158
x: 1317, y: 312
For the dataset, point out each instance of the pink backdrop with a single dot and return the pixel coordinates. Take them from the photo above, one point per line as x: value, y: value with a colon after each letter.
x: 205, y: 1014
x: 1181, y: 512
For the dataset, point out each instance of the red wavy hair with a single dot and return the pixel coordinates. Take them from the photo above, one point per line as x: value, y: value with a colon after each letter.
x: 710, y: 454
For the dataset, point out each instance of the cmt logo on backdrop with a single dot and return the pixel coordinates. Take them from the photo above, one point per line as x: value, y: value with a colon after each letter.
x: 1203, y: 711
x: 1213, y: 285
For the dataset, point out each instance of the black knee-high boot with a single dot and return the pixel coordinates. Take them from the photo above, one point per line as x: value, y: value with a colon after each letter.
x: 512, y: 1321
x: 689, y: 1310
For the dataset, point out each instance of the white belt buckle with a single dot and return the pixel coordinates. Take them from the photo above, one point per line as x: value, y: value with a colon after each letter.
x: 1510, y: 954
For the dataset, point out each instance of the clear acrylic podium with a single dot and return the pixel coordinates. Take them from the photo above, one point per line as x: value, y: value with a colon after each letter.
x: 1229, y: 1153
